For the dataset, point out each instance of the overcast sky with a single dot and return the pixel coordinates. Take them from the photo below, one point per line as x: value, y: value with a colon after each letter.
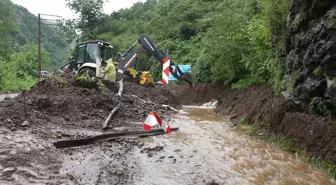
x: 58, y: 7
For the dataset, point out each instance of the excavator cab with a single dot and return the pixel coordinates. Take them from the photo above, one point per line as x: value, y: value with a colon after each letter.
x: 92, y: 56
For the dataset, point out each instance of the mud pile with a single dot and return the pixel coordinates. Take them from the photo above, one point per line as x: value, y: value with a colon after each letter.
x: 57, y: 100
x: 199, y: 94
x: 56, y: 109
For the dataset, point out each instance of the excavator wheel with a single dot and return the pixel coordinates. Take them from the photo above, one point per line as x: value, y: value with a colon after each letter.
x: 90, y: 71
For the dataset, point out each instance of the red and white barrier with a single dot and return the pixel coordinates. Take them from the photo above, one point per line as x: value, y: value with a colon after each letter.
x: 165, y: 72
x: 152, y: 120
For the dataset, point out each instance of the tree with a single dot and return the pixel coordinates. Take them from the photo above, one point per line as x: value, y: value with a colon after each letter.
x: 20, y: 72
x: 7, y: 25
x: 90, y: 17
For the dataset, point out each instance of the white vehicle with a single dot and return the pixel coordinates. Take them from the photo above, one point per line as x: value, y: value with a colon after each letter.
x: 44, y: 74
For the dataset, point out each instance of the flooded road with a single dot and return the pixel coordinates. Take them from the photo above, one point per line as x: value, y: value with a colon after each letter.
x: 207, y: 149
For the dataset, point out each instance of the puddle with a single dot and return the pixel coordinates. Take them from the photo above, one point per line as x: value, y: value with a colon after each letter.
x: 207, y: 149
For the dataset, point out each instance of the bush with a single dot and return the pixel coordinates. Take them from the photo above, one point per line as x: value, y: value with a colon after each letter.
x: 317, y: 106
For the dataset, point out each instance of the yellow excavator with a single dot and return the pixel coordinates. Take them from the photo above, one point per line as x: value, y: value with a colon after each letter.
x: 94, y: 56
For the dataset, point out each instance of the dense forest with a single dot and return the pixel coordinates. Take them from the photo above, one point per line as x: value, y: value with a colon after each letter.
x: 237, y: 42
x: 18, y: 50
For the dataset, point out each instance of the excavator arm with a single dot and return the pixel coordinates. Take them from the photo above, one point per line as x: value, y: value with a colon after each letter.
x: 128, y: 58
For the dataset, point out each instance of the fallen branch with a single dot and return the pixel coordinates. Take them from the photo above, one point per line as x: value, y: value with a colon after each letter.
x: 90, y: 140
x: 113, y: 111
x: 110, y: 115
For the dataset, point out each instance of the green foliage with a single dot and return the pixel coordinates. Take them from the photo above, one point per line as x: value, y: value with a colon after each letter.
x: 317, y: 106
x: 55, y: 45
x: 291, y: 81
x: 276, y: 12
x: 318, y: 71
x: 283, y: 143
x: 20, y: 71
x: 7, y: 26
x: 246, y: 82
x: 18, y: 47
x: 328, y: 166
x: 224, y: 41
x: 85, y: 80
x: 90, y: 21
x: 276, y: 68
x: 247, y: 126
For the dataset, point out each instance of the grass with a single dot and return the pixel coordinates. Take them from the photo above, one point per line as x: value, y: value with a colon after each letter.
x: 286, y: 144
x: 324, y: 165
x: 317, y: 71
x: 246, y: 126
x: 282, y: 142
x: 290, y: 81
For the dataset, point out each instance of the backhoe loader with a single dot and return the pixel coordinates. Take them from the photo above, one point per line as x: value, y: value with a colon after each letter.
x: 92, y: 57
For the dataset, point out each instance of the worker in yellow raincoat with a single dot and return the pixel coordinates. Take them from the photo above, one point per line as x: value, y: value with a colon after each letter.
x: 110, y: 72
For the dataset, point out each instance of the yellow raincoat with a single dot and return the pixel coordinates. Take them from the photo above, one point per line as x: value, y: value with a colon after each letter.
x: 110, y: 71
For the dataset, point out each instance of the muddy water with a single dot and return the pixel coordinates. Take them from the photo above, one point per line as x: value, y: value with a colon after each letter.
x: 207, y: 149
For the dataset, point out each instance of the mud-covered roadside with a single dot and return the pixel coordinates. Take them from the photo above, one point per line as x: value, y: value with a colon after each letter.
x: 57, y: 109
x: 314, y: 134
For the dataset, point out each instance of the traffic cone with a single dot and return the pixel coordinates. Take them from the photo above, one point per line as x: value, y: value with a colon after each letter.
x: 152, y: 120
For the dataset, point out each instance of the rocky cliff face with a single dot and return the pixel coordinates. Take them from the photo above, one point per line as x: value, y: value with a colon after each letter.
x: 311, y: 51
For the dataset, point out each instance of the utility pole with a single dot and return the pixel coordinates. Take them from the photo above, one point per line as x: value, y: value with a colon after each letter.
x: 39, y: 45
x: 50, y: 22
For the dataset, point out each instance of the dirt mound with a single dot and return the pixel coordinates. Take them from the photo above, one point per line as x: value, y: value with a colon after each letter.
x: 313, y: 133
x: 57, y: 100
x: 199, y: 94
x: 59, y: 109
x: 157, y: 95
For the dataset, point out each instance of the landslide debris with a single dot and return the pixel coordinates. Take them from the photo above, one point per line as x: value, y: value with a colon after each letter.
x: 59, y: 100
x: 199, y: 94
x: 58, y: 108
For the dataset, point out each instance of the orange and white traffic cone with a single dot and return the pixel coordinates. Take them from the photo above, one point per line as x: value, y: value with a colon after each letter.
x: 152, y: 120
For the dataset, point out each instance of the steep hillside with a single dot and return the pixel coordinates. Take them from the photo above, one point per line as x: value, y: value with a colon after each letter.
x: 55, y: 45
